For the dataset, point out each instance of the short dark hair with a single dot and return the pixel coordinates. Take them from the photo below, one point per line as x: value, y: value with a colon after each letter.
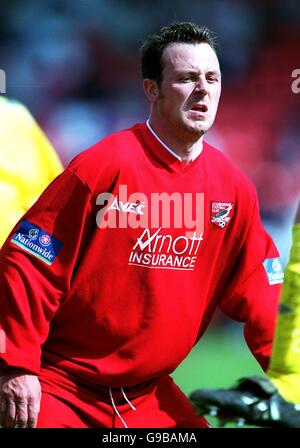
x: 177, y: 32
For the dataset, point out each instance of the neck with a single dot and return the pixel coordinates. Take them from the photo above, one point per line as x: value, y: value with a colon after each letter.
x: 187, y: 148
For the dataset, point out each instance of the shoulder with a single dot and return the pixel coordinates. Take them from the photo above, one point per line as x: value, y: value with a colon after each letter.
x: 225, y: 171
x: 106, y: 157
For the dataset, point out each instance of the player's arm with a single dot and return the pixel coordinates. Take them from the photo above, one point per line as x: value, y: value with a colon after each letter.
x: 36, y: 267
x: 252, y: 293
x: 257, y: 400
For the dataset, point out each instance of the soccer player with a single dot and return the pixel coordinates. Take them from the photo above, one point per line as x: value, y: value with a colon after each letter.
x: 273, y: 400
x: 113, y: 275
x: 28, y: 163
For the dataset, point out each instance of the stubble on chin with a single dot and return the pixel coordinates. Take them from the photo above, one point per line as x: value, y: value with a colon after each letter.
x: 196, y: 131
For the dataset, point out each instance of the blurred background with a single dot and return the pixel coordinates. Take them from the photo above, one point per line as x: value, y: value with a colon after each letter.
x: 74, y: 64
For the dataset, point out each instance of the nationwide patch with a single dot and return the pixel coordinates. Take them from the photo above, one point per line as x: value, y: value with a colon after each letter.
x: 37, y: 242
x: 274, y: 270
x: 221, y: 213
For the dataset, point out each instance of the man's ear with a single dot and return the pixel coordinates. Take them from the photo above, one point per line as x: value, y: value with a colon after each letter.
x: 151, y: 89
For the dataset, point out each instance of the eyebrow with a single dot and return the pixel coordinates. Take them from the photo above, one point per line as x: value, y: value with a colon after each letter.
x: 196, y: 72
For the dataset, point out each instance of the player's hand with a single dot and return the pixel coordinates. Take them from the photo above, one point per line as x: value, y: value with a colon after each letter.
x: 20, y: 397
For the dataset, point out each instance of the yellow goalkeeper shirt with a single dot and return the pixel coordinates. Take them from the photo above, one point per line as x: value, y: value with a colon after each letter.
x: 284, y: 370
x: 28, y: 163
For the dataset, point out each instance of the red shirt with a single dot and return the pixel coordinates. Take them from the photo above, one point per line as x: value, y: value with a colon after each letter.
x: 119, y: 291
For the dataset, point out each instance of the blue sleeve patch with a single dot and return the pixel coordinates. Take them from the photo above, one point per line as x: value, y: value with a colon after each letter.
x: 37, y: 242
x: 274, y: 270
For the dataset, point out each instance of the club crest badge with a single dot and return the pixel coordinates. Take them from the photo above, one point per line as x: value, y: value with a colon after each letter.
x: 221, y: 213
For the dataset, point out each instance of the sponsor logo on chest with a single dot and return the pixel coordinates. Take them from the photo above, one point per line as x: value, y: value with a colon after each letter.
x: 172, y: 225
x: 155, y: 249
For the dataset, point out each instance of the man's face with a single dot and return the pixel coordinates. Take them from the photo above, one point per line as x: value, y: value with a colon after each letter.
x: 190, y: 88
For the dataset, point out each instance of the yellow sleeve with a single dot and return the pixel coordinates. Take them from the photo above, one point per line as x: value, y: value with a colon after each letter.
x: 284, y: 370
x: 28, y: 163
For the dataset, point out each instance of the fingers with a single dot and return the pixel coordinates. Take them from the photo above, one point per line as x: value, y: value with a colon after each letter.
x: 19, y: 415
x: 33, y: 412
x: 8, y: 414
x: 20, y: 397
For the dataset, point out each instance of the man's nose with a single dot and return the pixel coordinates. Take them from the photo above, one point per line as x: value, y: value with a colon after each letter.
x: 201, y: 86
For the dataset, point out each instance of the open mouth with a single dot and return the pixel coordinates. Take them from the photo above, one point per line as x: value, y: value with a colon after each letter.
x: 200, y: 108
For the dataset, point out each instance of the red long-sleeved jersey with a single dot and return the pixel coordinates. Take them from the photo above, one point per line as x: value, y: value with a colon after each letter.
x: 105, y: 279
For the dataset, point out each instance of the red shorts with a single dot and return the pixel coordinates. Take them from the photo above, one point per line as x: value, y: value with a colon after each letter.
x: 65, y: 404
